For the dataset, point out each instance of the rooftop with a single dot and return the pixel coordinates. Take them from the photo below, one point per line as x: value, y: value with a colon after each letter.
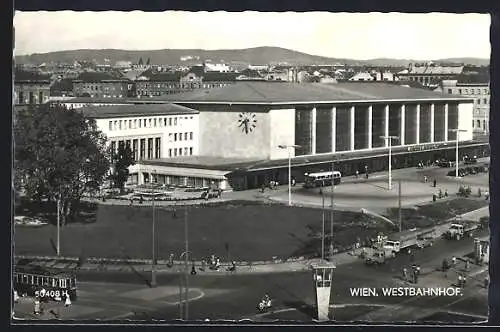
x: 290, y: 93
x: 437, y: 70
x: 89, y: 100
x: 103, y: 112
x: 91, y: 77
x: 22, y: 76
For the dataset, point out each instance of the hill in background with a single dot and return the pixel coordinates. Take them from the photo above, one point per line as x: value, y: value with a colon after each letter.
x: 257, y: 55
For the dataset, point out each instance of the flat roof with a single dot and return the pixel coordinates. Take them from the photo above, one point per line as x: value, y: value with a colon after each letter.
x: 241, y: 164
x: 293, y: 93
x: 89, y: 100
x: 114, y: 111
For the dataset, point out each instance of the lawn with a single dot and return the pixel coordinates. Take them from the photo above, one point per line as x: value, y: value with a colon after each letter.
x: 434, y: 213
x: 250, y: 230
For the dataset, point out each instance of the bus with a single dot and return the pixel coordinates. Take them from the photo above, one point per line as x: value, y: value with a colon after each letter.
x: 46, y: 284
x: 321, y: 179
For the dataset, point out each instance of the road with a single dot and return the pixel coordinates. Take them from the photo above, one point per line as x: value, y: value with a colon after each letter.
x: 125, y: 295
x: 372, y: 193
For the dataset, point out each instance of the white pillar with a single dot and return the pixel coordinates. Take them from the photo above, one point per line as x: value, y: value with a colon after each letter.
x: 352, y: 128
x: 370, y: 126
x: 446, y: 122
x: 334, y: 128
x: 432, y: 123
x: 402, y: 124
x: 417, y: 124
x: 313, y: 129
x: 386, y: 123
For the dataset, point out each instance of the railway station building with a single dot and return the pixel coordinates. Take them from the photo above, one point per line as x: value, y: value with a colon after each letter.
x: 246, y: 132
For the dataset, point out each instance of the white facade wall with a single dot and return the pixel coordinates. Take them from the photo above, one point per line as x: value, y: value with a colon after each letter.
x: 282, y: 126
x: 465, y: 116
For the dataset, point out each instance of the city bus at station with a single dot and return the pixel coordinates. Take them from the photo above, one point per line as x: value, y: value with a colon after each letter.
x: 320, y: 179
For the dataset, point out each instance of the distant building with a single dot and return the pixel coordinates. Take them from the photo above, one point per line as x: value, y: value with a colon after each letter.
x: 258, y: 67
x: 62, y: 88
x: 363, y: 76
x: 217, y: 67
x: 101, y: 85
x: 123, y: 64
x: 385, y: 76
x: 30, y: 88
x: 430, y: 74
x: 161, y: 84
x: 474, y: 87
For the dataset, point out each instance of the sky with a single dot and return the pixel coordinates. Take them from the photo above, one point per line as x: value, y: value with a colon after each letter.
x: 340, y: 35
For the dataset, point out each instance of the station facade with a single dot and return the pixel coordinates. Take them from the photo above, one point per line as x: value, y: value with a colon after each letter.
x: 246, y: 130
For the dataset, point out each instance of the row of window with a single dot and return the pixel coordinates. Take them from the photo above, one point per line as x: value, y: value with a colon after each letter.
x: 485, y: 101
x: 178, y: 136
x: 142, y: 148
x: 477, y: 124
x: 145, y: 123
x: 472, y: 91
x: 29, y: 279
x: 31, y: 99
x: 188, y: 151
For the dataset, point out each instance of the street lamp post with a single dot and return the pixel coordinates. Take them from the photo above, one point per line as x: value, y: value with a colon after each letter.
x: 457, y: 131
x: 389, y: 139
x: 289, y: 148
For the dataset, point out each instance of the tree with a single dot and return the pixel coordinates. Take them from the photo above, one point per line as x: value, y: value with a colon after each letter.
x: 121, y: 161
x: 140, y: 62
x: 148, y: 62
x: 58, y: 154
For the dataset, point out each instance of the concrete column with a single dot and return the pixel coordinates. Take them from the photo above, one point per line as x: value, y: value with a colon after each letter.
x: 370, y: 126
x: 313, y: 129
x: 432, y: 123
x: 417, y: 124
x: 402, y: 124
x: 351, y: 124
x: 386, y: 123
x: 146, y: 147
x: 446, y: 122
x: 334, y: 128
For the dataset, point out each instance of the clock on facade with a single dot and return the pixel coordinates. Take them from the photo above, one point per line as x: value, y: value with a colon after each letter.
x: 247, y: 122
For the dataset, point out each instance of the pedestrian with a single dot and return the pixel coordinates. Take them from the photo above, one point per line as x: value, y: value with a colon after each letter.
x: 486, y: 282
x: 459, y: 283
x: 435, y: 183
x: 446, y: 193
x: 464, y: 280
x: 366, y: 175
x: 405, y: 274
x: 170, y: 260
x: 415, y: 276
x: 425, y: 179
x: 67, y: 301
x: 467, y: 265
x: 479, y: 192
x: 203, y: 265
x: 262, y: 188
x: 217, y: 264
x: 434, y: 197
x: 37, y: 309
x: 357, y: 174
x: 453, y: 261
x: 445, y: 265
x: 193, y: 268
x: 293, y: 182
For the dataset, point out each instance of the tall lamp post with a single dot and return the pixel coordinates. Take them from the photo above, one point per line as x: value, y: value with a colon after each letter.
x: 389, y: 139
x: 457, y: 131
x: 289, y: 148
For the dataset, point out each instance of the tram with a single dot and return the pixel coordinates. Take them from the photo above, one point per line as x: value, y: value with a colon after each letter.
x: 46, y: 284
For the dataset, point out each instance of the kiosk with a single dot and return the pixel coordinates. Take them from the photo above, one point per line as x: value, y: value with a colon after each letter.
x: 322, y: 276
x: 481, y: 251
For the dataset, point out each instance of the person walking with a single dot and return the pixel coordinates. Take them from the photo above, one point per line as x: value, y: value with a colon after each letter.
x: 67, y: 301
x: 459, y: 283
x: 357, y: 174
x: 435, y: 183
x: 405, y: 274
x: 453, y: 261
